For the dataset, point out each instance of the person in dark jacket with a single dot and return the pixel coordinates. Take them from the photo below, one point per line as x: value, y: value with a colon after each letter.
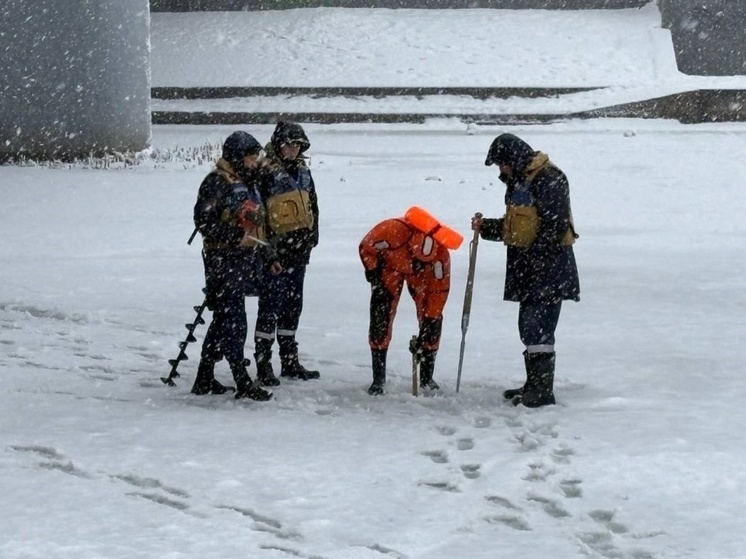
x: 293, y: 229
x: 230, y: 216
x: 541, y: 271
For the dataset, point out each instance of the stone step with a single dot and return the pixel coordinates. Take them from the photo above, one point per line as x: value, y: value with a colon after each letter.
x: 697, y: 106
x: 260, y: 5
x: 374, y: 92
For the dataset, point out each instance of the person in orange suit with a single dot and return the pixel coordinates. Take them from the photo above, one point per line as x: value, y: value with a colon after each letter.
x: 395, y: 251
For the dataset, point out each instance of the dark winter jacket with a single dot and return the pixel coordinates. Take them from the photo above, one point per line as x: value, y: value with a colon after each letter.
x: 223, y: 191
x: 288, y: 178
x: 546, y: 270
x: 220, y: 195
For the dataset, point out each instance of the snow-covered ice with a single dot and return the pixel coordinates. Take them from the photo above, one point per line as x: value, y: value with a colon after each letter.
x: 625, y: 54
x: 438, y: 48
x: 642, y: 458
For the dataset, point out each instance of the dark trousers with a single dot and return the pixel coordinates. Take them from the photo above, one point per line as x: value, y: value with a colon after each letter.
x: 429, y: 298
x: 537, y: 322
x: 280, y: 307
x: 226, y: 276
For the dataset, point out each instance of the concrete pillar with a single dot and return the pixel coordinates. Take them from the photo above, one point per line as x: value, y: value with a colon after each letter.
x: 667, y: 10
x: 708, y: 35
x: 76, y: 77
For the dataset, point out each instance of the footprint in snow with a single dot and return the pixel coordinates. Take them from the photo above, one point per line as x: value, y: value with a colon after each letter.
x: 442, y: 486
x: 53, y: 460
x: 263, y: 523
x: 150, y: 483
x: 539, y: 472
x: 465, y: 443
x: 571, y: 488
x: 160, y: 500
x: 437, y: 456
x: 516, y: 522
x: 386, y: 551
x: 550, y: 506
x: 562, y: 454
x: 510, y: 517
x: 470, y: 471
x: 446, y: 431
x: 606, y: 518
x: 45, y: 451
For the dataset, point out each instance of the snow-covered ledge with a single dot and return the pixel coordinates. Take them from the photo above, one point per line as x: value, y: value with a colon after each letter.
x: 76, y: 77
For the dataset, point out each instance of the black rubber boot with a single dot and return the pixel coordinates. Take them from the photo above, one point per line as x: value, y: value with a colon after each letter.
x: 513, y: 392
x: 205, y: 382
x: 378, y: 358
x: 291, y: 367
x: 427, y: 368
x: 246, y: 387
x: 539, y: 388
x: 265, y: 375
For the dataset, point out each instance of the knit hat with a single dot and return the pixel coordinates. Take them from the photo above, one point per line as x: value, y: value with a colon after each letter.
x: 238, y: 145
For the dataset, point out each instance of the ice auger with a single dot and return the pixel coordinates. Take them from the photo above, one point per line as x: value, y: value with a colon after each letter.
x: 182, y: 356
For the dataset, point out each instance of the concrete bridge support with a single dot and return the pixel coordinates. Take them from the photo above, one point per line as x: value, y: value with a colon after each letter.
x: 708, y: 35
x: 76, y: 77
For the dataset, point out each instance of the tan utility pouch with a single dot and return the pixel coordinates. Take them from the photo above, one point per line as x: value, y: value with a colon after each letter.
x: 520, y: 226
x: 569, y: 237
x: 289, y: 211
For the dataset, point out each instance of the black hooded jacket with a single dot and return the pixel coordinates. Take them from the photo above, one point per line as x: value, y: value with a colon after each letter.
x: 223, y: 189
x: 281, y: 176
x: 546, y: 270
x: 230, y: 267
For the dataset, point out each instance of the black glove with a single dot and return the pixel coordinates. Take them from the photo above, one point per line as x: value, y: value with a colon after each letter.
x: 373, y: 277
x: 415, y: 347
x: 492, y: 229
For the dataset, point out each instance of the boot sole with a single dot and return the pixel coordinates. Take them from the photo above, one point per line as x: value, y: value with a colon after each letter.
x: 303, y: 376
x: 211, y: 391
x: 512, y: 393
x: 255, y: 399
x: 551, y: 401
x: 269, y: 382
